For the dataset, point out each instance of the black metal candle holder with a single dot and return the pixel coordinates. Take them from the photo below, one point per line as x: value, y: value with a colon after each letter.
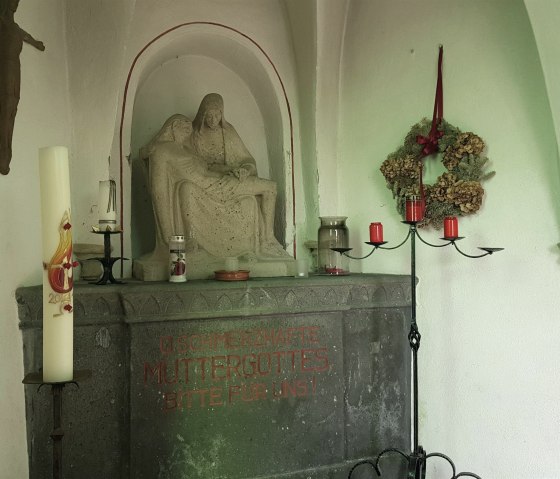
x: 58, y: 432
x: 416, y: 460
x: 107, y: 261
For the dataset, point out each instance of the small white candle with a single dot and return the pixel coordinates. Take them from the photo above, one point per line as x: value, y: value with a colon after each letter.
x: 232, y: 264
x: 107, y: 205
x: 58, y: 316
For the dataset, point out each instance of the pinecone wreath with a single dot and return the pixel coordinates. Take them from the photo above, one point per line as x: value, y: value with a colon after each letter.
x: 458, y: 191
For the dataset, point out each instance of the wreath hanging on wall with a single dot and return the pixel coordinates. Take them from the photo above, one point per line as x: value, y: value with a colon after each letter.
x: 458, y: 191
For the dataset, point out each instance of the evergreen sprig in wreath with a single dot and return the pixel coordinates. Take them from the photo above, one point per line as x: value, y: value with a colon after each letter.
x: 458, y: 191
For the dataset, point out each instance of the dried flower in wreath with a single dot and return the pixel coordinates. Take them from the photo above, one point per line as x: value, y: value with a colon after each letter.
x: 458, y: 191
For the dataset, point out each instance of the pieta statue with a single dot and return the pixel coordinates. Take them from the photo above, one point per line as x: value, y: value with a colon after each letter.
x: 204, y: 185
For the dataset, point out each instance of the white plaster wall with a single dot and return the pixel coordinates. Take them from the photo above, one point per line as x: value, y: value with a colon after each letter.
x: 318, y: 28
x: 303, y: 26
x: 489, y: 356
x: 97, y: 34
x: 331, y: 17
x: 43, y: 119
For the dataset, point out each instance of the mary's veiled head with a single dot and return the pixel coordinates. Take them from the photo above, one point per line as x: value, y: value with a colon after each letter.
x: 210, y: 105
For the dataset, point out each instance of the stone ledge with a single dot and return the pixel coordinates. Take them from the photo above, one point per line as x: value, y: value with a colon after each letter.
x: 138, y: 301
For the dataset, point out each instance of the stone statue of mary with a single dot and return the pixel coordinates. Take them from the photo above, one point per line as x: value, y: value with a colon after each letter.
x: 203, y: 184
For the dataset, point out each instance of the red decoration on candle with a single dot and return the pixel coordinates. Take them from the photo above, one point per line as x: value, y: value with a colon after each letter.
x: 450, y: 227
x: 414, y: 209
x: 68, y: 307
x: 58, y: 269
x: 376, y: 233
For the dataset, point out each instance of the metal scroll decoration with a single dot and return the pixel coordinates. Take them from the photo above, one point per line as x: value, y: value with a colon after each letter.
x: 416, y: 461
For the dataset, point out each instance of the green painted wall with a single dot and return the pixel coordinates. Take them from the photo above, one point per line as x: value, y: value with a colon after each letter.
x: 488, y: 349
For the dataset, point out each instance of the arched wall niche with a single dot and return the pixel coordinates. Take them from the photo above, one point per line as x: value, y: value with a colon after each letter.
x: 215, y: 58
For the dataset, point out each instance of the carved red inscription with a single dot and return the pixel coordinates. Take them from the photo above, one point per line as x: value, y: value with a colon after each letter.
x: 211, y: 370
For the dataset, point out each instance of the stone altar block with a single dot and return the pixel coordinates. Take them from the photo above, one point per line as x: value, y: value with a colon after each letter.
x: 267, y: 378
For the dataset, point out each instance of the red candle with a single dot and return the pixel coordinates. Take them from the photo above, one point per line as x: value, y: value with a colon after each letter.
x: 414, y: 209
x: 376, y: 233
x: 450, y: 227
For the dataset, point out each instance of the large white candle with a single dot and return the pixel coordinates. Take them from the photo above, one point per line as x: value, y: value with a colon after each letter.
x: 58, y: 317
x: 106, y: 204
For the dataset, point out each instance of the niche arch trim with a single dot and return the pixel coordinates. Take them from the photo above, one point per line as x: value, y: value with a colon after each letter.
x: 173, y: 43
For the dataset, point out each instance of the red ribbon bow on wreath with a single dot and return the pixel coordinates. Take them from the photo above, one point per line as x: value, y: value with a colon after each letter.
x: 430, y: 142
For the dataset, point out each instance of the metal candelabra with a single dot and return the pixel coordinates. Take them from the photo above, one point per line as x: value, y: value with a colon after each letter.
x: 416, y: 460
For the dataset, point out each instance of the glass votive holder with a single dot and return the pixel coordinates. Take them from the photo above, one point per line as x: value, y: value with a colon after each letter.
x: 450, y: 227
x: 414, y: 209
x: 231, y: 264
x: 376, y: 233
x: 302, y: 268
x: 333, y: 233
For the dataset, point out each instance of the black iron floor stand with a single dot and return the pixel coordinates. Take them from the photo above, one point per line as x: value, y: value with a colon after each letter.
x: 58, y: 432
x: 416, y: 460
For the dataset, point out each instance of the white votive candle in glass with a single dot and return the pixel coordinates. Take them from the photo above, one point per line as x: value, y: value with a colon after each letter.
x: 231, y: 264
x: 58, y: 316
x: 107, y: 205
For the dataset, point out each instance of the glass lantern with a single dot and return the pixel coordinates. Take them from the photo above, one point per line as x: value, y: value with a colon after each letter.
x: 333, y: 233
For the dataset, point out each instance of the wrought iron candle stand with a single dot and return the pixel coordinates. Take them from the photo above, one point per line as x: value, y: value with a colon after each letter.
x: 416, y: 460
x: 57, y: 433
x: 107, y: 261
